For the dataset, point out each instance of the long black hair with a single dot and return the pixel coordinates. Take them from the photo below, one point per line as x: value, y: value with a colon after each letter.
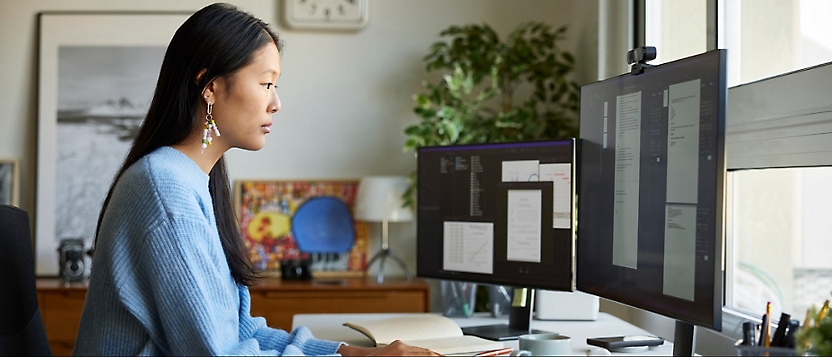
x: 219, y: 39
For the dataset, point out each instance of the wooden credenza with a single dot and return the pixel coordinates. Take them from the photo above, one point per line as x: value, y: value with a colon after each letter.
x: 276, y: 300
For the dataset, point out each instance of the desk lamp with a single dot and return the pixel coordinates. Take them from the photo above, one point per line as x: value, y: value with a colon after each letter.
x: 379, y: 199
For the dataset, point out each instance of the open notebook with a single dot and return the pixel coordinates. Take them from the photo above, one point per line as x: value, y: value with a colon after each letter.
x: 434, y: 332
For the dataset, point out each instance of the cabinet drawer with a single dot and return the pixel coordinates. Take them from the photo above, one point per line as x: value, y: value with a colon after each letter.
x: 61, y: 312
x: 279, y: 307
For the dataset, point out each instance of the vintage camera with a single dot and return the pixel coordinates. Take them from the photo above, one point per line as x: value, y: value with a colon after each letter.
x: 296, y: 269
x: 71, y: 259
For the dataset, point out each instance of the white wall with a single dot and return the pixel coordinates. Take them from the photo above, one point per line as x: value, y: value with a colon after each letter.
x: 346, y: 96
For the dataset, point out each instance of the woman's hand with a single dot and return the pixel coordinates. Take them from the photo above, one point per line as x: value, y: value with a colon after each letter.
x: 397, y: 348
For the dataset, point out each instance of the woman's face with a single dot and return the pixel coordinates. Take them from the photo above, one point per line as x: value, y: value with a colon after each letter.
x: 244, y: 102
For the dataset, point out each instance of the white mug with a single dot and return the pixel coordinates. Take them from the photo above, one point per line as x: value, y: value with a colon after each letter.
x: 544, y: 344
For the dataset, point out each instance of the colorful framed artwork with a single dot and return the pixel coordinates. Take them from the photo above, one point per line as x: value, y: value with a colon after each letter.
x: 266, y: 211
x: 97, y: 75
x: 9, y: 177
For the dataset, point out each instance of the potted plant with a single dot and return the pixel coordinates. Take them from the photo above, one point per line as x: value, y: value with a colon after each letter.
x: 495, y: 91
x: 815, y: 336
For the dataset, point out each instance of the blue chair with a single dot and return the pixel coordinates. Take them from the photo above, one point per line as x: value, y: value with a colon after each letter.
x: 323, y: 225
x: 21, y: 326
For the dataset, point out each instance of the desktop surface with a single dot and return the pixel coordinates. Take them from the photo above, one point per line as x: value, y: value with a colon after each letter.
x: 330, y: 327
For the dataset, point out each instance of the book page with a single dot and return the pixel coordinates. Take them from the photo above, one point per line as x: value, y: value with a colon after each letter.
x: 458, y: 344
x: 415, y: 327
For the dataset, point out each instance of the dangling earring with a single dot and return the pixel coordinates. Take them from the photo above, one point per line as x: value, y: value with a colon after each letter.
x: 210, y: 125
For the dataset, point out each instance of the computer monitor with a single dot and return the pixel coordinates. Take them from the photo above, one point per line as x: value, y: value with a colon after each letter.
x: 498, y: 213
x: 650, y: 196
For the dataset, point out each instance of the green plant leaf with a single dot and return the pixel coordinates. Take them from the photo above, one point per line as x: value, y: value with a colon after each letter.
x: 475, y: 66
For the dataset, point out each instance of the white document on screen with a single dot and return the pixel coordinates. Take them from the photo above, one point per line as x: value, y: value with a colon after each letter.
x: 683, y: 143
x: 561, y: 177
x: 523, y: 229
x: 520, y: 171
x: 627, y: 166
x: 679, y: 251
x: 468, y: 247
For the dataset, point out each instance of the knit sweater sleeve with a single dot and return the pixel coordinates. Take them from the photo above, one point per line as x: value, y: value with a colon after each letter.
x: 301, y: 341
x: 196, y: 314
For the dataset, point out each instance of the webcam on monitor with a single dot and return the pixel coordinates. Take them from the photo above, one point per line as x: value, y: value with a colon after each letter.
x: 638, y: 58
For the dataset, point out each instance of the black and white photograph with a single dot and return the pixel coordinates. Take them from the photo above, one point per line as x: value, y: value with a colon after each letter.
x: 8, y: 182
x: 103, y: 95
x: 96, y: 76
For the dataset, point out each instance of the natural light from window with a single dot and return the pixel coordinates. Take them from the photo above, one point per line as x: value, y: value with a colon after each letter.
x: 780, y: 234
x: 676, y: 28
x: 766, y: 38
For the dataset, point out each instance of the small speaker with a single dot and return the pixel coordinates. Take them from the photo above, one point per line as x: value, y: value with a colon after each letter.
x: 71, y: 259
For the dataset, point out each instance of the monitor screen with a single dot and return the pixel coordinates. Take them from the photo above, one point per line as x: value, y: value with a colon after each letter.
x: 497, y: 213
x: 501, y: 214
x: 650, y: 197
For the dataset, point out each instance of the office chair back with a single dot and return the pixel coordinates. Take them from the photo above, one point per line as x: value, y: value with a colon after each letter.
x: 21, y: 326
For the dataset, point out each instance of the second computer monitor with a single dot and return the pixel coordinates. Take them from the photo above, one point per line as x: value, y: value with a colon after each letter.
x: 651, y: 194
x: 497, y: 213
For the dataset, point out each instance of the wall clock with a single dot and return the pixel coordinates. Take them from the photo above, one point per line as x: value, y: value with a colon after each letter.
x: 326, y: 14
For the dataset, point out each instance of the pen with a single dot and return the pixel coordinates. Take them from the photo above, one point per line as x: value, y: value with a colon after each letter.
x: 762, y: 329
x: 494, y: 352
x: 749, y: 334
x: 822, y: 312
x: 779, y: 339
x: 767, y: 326
x: 807, y: 323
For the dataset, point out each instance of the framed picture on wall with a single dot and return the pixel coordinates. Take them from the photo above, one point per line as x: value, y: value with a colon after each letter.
x: 97, y: 74
x: 279, y: 219
x: 9, y: 181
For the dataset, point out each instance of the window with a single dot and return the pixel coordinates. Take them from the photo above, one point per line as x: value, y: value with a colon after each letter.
x: 676, y: 28
x: 779, y: 234
x: 779, y: 226
x: 765, y: 38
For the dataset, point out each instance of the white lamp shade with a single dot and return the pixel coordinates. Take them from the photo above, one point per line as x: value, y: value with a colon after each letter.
x: 379, y: 199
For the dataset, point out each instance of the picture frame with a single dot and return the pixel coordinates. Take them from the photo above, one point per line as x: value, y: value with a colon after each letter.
x: 96, y: 76
x: 9, y: 182
x: 276, y: 201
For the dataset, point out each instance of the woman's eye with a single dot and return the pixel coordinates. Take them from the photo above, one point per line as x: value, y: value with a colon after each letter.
x: 268, y: 85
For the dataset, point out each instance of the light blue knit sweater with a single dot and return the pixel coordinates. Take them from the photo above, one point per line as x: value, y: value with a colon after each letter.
x: 160, y: 283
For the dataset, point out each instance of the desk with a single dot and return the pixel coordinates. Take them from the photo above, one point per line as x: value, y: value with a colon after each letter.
x: 329, y: 327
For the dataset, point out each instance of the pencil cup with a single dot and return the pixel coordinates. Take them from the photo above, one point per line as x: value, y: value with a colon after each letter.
x: 765, y: 351
x: 458, y: 298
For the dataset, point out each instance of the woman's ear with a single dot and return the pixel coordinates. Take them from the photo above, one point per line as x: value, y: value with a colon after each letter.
x: 208, y: 91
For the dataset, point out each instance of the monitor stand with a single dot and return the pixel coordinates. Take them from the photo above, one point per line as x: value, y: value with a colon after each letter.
x: 519, y: 319
x: 684, y: 339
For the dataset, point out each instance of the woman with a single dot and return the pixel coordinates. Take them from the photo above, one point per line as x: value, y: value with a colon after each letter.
x: 171, y: 272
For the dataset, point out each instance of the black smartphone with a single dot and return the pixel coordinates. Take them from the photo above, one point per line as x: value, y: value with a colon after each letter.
x: 616, y: 342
